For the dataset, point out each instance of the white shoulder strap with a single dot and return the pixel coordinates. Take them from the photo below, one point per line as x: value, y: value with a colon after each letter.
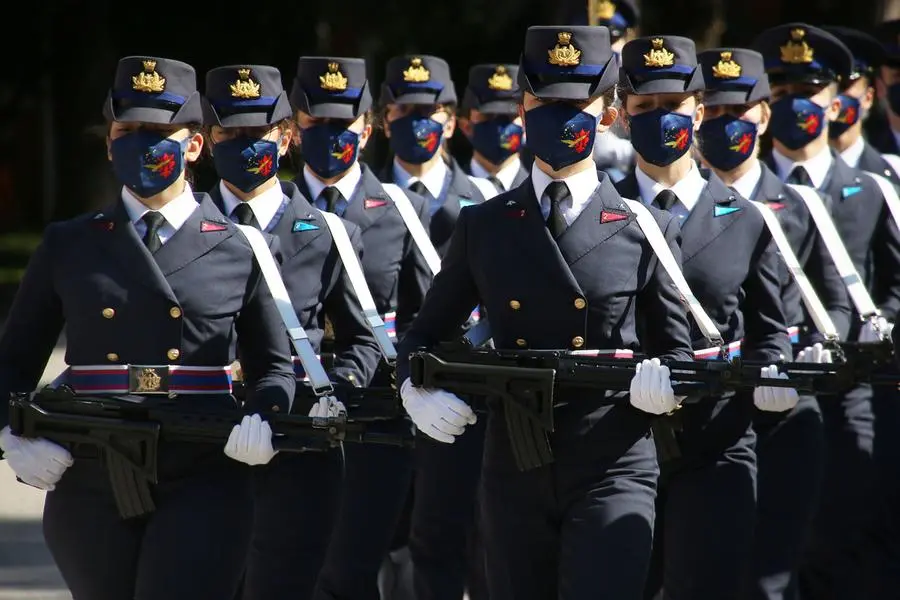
x: 358, y: 282
x: 654, y: 234
x: 311, y: 364
x: 859, y: 295
x: 813, y: 305
x: 889, y: 191
x: 484, y: 186
x: 414, y: 225
x: 894, y: 161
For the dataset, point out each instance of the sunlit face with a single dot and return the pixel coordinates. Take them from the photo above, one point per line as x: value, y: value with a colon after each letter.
x: 272, y: 133
x: 681, y: 103
x: 754, y: 112
x: 435, y: 112
x: 592, y: 106
x: 179, y: 133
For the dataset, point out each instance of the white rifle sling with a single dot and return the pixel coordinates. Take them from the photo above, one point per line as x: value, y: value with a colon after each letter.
x: 414, y: 226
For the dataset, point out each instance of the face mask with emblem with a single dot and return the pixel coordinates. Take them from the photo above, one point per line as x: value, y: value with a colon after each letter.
x: 727, y: 141
x: 416, y: 138
x: 660, y: 136
x: 246, y: 162
x: 796, y: 121
x: 497, y: 139
x: 147, y: 162
x: 329, y: 148
x: 560, y: 134
x: 847, y: 118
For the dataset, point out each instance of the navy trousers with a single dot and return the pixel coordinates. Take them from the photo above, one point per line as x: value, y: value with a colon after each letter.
x: 194, y: 545
x: 790, y: 453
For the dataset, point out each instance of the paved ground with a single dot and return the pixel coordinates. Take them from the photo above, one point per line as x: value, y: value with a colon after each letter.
x: 26, y: 568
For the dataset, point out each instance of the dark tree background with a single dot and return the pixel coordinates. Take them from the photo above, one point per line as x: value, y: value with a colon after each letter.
x: 59, y: 62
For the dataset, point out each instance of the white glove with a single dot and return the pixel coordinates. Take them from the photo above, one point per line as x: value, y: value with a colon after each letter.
x: 250, y: 442
x: 775, y: 399
x: 437, y: 413
x: 814, y: 354
x: 651, y: 388
x: 37, y: 462
x: 328, y: 407
x: 875, y: 330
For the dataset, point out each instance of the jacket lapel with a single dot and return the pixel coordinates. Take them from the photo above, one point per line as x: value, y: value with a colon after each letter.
x: 603, y: 217
x: 369, y: 203
x: 520, y: 177
x: 300, y: 223
x: 205, y: 229
x: 770, y: 188
x: 459, y: 194
x: 628, y: 188
x: 716, y: 210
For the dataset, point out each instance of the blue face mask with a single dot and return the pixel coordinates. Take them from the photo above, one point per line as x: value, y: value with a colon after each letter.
x: 796, y: 121
x: 329, y: 148
x: 497, y: 139
x: 560, y: 134
x: 727, y: 141
x: 246, y: 162
x: 661, y: 137
x: 848, y: 117
x: 147, y: 162
x: 416, y: 138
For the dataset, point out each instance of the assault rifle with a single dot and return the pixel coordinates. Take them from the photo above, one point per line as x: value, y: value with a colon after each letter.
x: 128, y: 433
x: 362, y: 403
x: 526, y: 382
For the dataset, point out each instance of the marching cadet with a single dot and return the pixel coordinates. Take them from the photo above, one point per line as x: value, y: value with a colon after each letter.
x: 491, y: 123
x: 418, y: 104
x: 563, y: 243
x: 711, y: 486
x: 789, y: 445
x: 857, y: 97
x: 131, y: 283
x: 805, y: 66
x: 250, y: 120
x: 332, y: 103
x: 887, y: 85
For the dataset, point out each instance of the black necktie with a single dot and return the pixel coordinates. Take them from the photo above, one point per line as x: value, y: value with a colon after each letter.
x: 331, y: 195
x: 419, y: 188
x: 153, y: 220
x: 665, y: 200
x: 557, y: 191
x: 799, y: 176
x: 497, y: 184
x: 245, y: 215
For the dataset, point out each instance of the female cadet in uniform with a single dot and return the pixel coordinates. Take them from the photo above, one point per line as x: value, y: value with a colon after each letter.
x: 789, y: 445
x: 332, y: 104
x: 560, y: 263
x: 249, y: 116
x: 707, y: 496
x: 157, y: 278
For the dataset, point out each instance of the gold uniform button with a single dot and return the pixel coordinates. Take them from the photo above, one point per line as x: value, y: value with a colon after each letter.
x: 515, y: 304
x: 173, y: 354
x: 109, y: 313
x: 521, y: 342
x: 175, y: 312
x: 578, y: 341
x: 580, y: 303
x: 112, y: 357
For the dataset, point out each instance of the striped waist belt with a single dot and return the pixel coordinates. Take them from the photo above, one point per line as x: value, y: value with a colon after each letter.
x: 147, y: 379
x: 604, y: 353
x: 734, y: 350
x: 390, y: 322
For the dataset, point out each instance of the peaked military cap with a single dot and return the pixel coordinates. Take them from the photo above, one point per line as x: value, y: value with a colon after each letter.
x: 153, y: 90
x: 244, y: 96
x: 660, y: 64
x: 801, y: 52
x: 616, y: 15
x: 888, y: 33
x: 336, y: 88
x: 868, y: 53
x: 571, y: 63
x: 417, y: 79
x: 733, y: 76
x: 492, y: 89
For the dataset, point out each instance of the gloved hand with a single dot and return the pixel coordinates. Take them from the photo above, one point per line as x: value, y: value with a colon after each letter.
x: 437, y: 413
x: 651, y: 388
x: 250, y: 441
x: 875, y: 330
x: 814, y: 354
x: 37, y: 462
x: 328, y: 407
x: 774, y: 399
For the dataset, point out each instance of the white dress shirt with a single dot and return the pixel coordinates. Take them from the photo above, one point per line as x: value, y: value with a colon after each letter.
x: 505, y: 176
x: 346, y: 185
x: 581, y: 187
x: 264, y: 207
x: 176, y: 212
x: 852, y: 154
x: 746, y: 184
x: 434, y: 181
x: 688, y: 190
x: 816, y: 167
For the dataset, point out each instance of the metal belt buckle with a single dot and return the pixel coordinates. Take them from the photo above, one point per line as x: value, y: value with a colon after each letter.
x: 148, y: 379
